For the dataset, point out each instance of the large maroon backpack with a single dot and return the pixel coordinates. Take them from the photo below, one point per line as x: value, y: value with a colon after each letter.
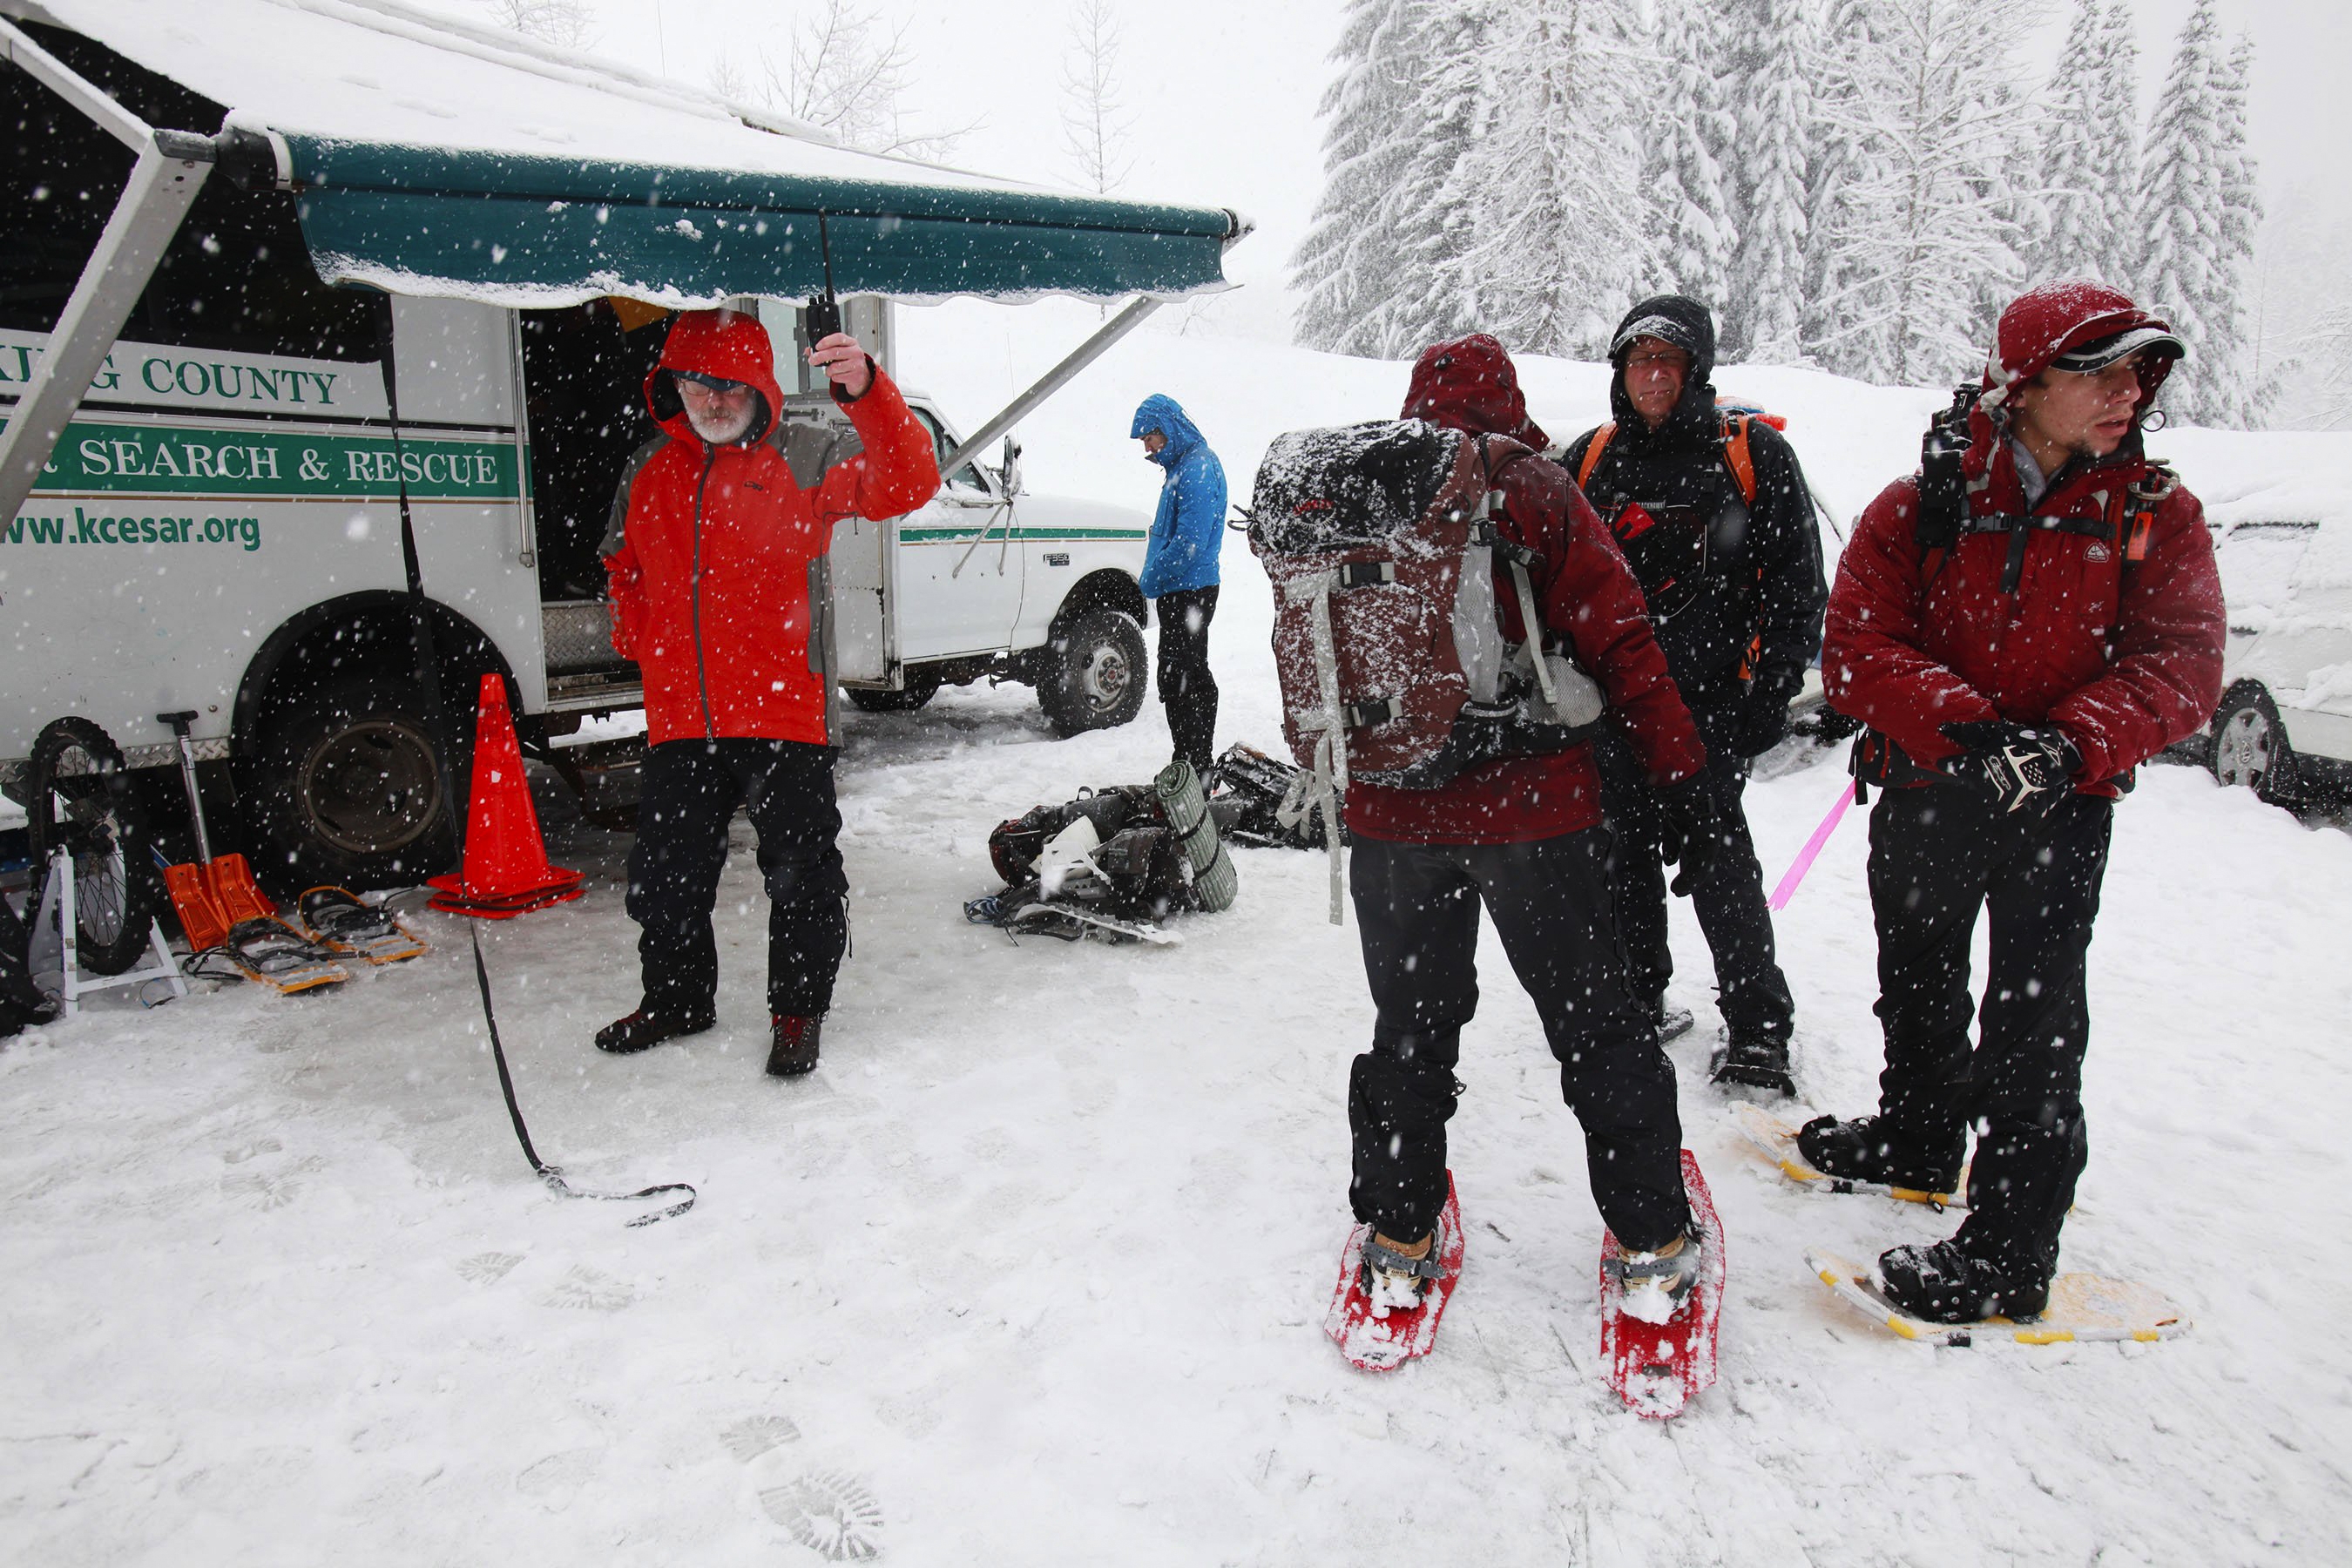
x: 1396, y: 669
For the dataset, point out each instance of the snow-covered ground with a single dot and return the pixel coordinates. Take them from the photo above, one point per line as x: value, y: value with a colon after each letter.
x: 1032, y: 1268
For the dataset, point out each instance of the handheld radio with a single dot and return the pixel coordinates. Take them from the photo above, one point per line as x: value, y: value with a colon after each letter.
x: 823, y: 312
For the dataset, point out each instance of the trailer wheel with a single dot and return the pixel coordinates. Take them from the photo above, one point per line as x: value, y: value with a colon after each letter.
x: 77, y: 795
x: 1094, y: 672
x: 348, y: 790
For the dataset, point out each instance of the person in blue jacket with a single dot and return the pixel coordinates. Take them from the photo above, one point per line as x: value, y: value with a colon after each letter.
x: 1179, y: 570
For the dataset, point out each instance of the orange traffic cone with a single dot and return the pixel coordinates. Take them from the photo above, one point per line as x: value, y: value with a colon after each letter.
x: 506, y: 872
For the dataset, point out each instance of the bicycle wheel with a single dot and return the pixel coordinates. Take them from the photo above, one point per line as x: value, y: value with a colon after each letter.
x: 78, y: 796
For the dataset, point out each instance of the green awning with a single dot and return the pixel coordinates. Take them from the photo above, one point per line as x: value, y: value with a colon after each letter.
x: 529, y: 229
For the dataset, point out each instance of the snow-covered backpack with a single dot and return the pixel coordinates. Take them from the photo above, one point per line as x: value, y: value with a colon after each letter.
x: 1395, y: 665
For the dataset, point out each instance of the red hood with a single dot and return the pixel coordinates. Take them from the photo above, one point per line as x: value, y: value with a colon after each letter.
x: 725, y: 343
x: 1470, y: 384
x: 2042, y: 324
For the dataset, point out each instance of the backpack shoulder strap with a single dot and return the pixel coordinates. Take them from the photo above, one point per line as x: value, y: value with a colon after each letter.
x: 1593, y: 453
x: 1738, y: 457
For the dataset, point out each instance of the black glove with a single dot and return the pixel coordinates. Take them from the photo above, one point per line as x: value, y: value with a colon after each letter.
x: 1764, y: 715
x: 1689, y: 830
x: 2026, y: 767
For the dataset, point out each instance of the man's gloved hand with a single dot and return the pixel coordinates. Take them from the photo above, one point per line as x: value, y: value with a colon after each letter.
x: 2026, y: 766
x: 1764, y: 714
x: 1689, y: 830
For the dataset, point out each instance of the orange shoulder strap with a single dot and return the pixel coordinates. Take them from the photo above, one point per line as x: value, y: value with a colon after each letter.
x: 1737, y: 456
x: 1593, y: 453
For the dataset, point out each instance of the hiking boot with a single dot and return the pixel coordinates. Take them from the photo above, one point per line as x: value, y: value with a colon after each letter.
x: 648, y: 1027
x: 1751, y: 1059
x: 1945, y: 1285
x: 1653, y: 1284
x: 1864, y: 1150
x: 794, y: 1050
x: 1673, y: 1023
x: 1395, y: 1281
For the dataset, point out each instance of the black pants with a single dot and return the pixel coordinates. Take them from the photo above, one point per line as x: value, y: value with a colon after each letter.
x: 1726, y: 893
x: 1937, y: 855
x: 1417, y: 909
x: 1187, y: 689
x: 690, y: 791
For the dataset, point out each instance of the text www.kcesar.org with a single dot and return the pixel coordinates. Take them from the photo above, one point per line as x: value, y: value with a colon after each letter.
x: 82, y: 528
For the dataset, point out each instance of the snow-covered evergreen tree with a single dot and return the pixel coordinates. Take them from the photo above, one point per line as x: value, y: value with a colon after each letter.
x: 2199, y: 209
x: 2090, y: 150
x: 1351, y: 265
x: 1563, y: 241
x: 1923, y: 235
x: 1767, y: 45
x: 1839, y: 155
x: 1686, y: 174
x: 1438, y: 209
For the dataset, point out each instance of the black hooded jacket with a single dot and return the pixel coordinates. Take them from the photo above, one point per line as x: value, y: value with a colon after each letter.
x: 1718, y: 572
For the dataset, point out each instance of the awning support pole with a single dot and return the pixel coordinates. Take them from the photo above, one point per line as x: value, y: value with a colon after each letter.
x: 170, y: 170
x: 1052, y: 381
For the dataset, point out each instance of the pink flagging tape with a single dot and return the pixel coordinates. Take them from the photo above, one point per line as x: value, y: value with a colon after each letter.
x: 1813, y: 850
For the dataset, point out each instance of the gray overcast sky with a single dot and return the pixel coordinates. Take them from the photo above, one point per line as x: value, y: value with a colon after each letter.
x: 1222, y: 93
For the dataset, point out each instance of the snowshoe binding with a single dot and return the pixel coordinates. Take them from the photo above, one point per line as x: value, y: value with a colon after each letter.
x: 1380, y: 1333
x: 338, y: 919
x: 1660, y: 1311
x: 1748, y: 1059
x: 1869, y: 1151
x: 1942, y: 1284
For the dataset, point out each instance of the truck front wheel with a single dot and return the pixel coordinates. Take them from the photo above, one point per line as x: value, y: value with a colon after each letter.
x: 1094, y: 671
x: 349, y: 791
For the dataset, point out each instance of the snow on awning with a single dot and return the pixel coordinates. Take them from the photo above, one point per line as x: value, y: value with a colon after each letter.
x: 433, y: 157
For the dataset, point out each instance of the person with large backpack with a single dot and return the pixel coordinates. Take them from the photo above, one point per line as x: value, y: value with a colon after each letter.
x: 1713, y: 514
x: 2021, y: 625
x: 1478, y: 821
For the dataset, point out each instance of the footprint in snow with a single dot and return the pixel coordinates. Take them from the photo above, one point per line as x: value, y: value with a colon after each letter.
x: 834, y: 1515
x: 559, y: 1474
x: 253, y: 1151
x: 754, y: 1436
x: 266, y: 1193
x: 584, y: 1287
x: 488, y: 1267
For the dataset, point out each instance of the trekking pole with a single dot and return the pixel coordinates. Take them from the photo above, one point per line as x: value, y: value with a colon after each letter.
x: 1812, y: 849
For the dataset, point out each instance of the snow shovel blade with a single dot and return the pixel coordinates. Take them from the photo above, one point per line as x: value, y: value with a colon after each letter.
x: 213, y: 899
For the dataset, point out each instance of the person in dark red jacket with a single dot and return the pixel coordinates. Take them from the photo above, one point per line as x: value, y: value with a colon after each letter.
x: 717, y: 561
x: 2011, y: 681
x: 1523, y: 835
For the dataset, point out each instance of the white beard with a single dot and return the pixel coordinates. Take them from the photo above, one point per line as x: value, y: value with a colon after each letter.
x: 722, y: 432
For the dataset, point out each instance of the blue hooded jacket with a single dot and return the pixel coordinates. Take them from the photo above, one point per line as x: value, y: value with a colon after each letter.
x: 1191, y: 523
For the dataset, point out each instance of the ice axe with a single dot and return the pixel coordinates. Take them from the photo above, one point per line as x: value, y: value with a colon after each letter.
x: 213, y: 896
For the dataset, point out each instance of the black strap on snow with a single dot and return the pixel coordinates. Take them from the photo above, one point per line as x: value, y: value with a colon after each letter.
x: 437, y: 718
x: 553, y: 1175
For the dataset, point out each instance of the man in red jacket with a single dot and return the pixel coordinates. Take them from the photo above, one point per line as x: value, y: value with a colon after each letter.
x: 1523, y: 835
x: 716, y: 559
x: 2051, y: 631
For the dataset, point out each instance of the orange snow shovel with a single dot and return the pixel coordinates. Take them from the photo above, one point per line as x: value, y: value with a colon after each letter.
x: 214, y: 895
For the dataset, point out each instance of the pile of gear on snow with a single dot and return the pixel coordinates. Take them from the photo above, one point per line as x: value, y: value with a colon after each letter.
x: 1116, y: 861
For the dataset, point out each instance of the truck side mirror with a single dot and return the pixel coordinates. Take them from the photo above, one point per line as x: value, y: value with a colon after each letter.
x: 1010, y: 471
